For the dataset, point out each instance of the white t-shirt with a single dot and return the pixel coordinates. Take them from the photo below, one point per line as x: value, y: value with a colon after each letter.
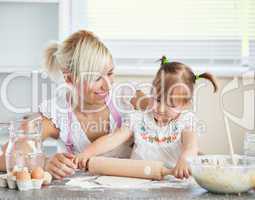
x: 152, y: 142
x: 56, y: 109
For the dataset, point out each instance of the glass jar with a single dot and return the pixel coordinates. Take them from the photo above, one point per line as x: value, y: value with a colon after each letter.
x: 24, y: 150
x: 249, y: 144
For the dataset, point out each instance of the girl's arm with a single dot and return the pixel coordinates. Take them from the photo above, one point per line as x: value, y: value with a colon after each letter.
x: 189, y: 148
x: 140, y: 101
x: 103, y: 145
x: 189, y: 144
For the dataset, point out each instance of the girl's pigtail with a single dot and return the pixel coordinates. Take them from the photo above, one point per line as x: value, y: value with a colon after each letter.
x: 210, y: 78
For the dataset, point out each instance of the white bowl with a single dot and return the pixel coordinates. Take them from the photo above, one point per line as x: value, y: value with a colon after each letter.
x: 217, y: 174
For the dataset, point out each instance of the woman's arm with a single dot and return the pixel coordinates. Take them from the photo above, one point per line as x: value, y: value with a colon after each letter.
x: 103, y: 145
x: 49, y: 129
x: 2, y: 158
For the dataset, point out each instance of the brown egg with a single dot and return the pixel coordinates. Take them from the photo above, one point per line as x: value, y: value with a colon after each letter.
x: 23, y: 176
x: 37, y: 173
x: 14, y: 173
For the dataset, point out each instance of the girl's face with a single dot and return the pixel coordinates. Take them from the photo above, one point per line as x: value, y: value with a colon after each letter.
x: 166, y: 109
x: 163, y: 113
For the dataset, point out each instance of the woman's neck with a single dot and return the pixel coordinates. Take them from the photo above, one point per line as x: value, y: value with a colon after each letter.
x: 88, y: 107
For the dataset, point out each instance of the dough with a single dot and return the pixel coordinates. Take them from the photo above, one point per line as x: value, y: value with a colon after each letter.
x: 117, y: 182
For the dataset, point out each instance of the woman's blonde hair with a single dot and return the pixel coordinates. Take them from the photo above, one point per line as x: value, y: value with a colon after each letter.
x: 82, y: 54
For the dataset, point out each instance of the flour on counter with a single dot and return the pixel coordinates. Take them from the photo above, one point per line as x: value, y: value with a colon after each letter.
x: 94, y: 182
x: 121, y: 182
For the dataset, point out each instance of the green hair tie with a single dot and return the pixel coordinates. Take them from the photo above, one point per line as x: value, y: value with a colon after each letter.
x: 165, y: 61
x: 197, y: 77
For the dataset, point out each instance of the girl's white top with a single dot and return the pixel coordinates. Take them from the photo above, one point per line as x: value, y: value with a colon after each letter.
x: 152, y: 142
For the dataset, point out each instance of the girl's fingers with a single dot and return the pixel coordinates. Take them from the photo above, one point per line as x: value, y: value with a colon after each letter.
x: 180, y: 174
x: 186, y: 173
x: 75, y: 160
x: 80, y: 165
x: 84, y: 163
x: 190, y: 172
x: 174, y: 173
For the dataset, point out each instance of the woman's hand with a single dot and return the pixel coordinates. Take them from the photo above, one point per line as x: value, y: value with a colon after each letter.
x: 2, y: 157
x: 61, y: 165
x: 182, y: 169
x: 80, y: 160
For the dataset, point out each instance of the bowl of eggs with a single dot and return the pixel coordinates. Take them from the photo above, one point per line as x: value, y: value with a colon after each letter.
x: 23, y: 179
x: 219, y: 174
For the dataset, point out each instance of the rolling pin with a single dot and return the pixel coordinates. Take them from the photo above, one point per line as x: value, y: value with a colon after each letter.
x: 154, y: 170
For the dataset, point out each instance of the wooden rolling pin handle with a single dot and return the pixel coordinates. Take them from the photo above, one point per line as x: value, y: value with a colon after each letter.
x: 167, y: 171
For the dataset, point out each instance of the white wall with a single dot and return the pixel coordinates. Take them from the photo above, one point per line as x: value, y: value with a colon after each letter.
x: 25, y: 29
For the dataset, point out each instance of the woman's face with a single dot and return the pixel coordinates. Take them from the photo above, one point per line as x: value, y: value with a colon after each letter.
x: 95, y: 92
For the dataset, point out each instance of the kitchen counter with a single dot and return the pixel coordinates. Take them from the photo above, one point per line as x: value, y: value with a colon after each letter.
x: 59, y: 191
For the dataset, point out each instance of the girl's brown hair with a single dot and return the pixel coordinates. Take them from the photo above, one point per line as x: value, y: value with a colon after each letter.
x: 174, y: 74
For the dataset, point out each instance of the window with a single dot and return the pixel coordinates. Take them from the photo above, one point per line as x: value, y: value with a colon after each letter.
x: 197, y: 32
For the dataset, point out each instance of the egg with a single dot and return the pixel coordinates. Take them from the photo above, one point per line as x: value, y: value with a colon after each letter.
x: 18, y: 169
x: 47, y: 178
x: 23, y: 176
x: 37, y: 173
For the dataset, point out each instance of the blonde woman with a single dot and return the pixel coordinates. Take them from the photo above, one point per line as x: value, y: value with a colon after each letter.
x: 85, y: 111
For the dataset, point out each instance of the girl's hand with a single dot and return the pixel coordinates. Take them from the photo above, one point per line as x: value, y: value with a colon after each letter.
x: 60, y: 165
x: 181, y: 169
x: 80, y: 160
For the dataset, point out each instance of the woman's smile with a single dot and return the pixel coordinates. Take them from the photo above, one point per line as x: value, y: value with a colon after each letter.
x: 102, y: 94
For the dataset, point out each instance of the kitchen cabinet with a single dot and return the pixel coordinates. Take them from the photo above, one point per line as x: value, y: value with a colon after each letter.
x: 26, y: 26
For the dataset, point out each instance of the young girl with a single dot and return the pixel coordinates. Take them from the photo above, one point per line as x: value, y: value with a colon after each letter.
x: 167, y: 132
